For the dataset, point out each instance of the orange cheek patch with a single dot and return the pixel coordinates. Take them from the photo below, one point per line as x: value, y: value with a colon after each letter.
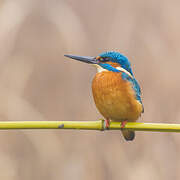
x: 113, y: 64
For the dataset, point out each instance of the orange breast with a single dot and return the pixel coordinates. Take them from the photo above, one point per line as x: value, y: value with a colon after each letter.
x: 114, y: 97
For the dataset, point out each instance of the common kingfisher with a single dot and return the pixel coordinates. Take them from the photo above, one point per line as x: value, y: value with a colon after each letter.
x: 116, y: 92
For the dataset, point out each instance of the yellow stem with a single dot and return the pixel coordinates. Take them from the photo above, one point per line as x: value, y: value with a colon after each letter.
x: 89, y: 125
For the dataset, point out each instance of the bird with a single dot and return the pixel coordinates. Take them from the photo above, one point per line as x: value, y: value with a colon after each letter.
x: 116, y: 92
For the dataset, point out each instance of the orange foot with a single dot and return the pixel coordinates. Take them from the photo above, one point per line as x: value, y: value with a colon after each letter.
x: 107, y: 124
x: 123, y: 123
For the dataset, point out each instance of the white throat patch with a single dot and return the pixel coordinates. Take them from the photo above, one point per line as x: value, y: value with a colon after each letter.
x: 101, y: 69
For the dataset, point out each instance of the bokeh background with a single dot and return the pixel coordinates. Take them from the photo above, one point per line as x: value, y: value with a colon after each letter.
x: 38, y: 83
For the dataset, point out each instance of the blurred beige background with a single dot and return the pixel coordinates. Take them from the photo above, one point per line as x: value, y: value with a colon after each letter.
x: 38, y: 83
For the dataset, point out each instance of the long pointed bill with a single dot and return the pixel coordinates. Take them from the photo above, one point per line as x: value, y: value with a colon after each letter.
x: 86, y: 59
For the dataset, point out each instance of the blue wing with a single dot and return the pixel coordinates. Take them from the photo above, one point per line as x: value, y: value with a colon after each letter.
x: 135, y: 86
x: 137, y: 89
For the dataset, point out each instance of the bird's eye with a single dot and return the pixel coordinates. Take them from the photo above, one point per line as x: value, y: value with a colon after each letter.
x: 103, y: 59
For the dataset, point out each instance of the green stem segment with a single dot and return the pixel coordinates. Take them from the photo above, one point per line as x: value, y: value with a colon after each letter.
x: 88, y: 125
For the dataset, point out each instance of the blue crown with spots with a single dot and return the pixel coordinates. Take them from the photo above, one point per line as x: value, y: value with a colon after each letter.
x: 118, y: 58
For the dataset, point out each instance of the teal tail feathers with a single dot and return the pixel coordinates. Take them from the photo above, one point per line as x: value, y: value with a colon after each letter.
x: 128, y: 135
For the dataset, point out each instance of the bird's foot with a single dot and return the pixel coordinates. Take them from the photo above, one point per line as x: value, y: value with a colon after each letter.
x: 107, y: 123
x: 123, y: 124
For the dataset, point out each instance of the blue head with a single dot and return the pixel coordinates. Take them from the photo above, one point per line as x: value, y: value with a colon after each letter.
x: 115, y: 59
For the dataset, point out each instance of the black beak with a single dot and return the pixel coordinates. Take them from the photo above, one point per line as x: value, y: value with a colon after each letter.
x: 86, y: 59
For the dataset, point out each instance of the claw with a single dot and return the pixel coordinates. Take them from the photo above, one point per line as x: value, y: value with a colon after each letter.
x: 123, y: 124
x: 107, y: 124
